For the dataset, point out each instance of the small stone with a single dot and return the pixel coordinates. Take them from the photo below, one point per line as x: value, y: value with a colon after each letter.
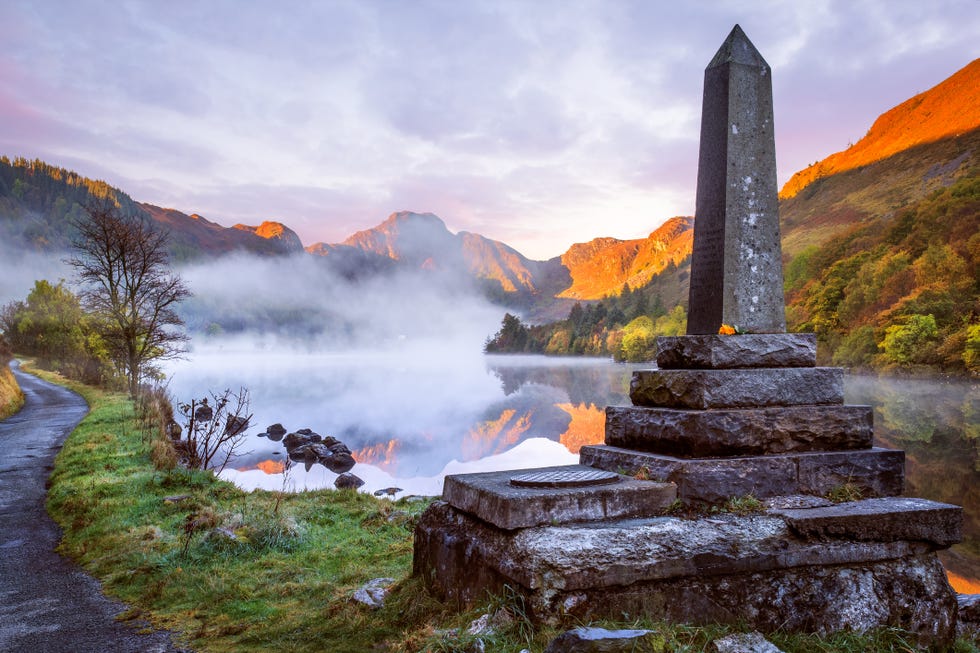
x: 597, y: 640
x: 176, y: 498
x: 348, y: 481
x: 480, y: 626
x: 373, y: 593
x: 752, y: 642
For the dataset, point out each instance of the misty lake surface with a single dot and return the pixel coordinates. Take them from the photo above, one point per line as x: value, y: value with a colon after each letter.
x: 412, y: 414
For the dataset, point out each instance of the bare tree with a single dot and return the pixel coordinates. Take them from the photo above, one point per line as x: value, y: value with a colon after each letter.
x: 124, y: 270
x: 214, y: 430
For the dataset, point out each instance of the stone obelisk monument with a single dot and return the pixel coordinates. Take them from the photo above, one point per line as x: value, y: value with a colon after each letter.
x: 723, y: 421
x: 736, y: 268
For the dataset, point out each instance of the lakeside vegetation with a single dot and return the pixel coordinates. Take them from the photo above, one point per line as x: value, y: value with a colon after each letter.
x: 897, y: 292
x: 233, y: 571
x: 624, y: 327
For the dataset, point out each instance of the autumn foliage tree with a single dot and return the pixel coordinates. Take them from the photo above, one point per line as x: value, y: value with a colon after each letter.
x: 123, y: 268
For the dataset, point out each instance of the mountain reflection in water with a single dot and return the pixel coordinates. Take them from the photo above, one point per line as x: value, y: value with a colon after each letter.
x: 410, y: 420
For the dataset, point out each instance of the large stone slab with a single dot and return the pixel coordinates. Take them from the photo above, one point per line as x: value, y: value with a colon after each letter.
x: 877, y: 472
x: 754, y: 570
x: 493, y: 498
x: 740, y: 388
x: 739, y: 431
x: 881, y: 520
x: 744, y: 350
x: 736, y: 265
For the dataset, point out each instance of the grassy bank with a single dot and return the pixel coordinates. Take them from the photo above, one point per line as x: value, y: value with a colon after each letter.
x: 262, y: 571
x: 11, y: 398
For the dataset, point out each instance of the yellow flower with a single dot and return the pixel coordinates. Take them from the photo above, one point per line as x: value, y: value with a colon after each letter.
x: 726, y: 330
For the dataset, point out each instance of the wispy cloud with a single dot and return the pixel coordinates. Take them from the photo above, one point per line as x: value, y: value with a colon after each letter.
x: 543, y: 122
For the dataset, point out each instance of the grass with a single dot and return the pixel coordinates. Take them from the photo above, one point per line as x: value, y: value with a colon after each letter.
x: 11, y: 397
x: 280, y: 573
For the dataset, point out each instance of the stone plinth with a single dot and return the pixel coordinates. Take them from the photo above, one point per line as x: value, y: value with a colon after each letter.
x: 877, y: 472
x: 754, y: 570
x: 737, y: 388
x: 744, y: 350
x: 883, y: 520
x: 494, y: 499
x: 739, y: 431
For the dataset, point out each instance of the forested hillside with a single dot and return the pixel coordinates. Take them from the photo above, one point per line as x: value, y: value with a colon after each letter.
x: 897, y: 290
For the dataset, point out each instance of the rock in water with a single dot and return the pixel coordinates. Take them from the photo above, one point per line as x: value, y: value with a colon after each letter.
x: 348, y: 481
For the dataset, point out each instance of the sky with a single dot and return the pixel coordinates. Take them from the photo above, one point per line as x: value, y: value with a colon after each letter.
x: 539, y: 123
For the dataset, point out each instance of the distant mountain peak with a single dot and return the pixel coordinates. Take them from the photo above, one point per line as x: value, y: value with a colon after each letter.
x: 275, y: 231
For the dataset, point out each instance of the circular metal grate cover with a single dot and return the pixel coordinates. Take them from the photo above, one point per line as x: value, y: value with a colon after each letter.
x: 568, y: 478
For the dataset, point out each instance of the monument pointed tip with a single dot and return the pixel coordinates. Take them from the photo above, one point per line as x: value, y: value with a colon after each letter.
x: 737, y: 48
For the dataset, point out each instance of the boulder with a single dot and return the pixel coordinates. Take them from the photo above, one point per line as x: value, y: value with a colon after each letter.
x: 299, y: 438
x: 348, y: 481
x: 338, y: 463
x: 275, y: 432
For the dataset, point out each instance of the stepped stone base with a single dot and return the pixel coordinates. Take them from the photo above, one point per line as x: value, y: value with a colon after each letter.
x: 755, y: 570
x: 741, y: 431
x: 491, y: 497
x: 737, y: 388
x: 747, y: 350
x: 877, y: 472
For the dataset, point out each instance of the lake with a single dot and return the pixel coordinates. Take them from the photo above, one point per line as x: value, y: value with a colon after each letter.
x: 412, y: 414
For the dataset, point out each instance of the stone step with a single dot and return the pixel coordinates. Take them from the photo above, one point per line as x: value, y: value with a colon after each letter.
x: 739, y: 431
x: 737, y: 351
x: 738, y: 388
x: 886, y: 519
x: 876, y: 472
x: 723, y: 569
x: 495, y: 499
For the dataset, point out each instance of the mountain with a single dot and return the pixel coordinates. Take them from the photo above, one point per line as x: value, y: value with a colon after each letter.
x: 193, y: 236
x: 921, y: 146
x: 881, y: 242
x: 602, y: 266
x: 422, y: 241
x: 545, y: 289
x: 951, y: 108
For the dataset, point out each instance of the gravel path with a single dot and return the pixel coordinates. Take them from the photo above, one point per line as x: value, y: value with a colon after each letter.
x: 47, y: 603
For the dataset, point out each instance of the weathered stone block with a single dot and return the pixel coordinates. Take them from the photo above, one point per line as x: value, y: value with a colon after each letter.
x: 877, y: 472
x: 738, y: 351
x: 753, y: 569
x: 741, y: 388
x: 739, y: 431
x: 492, y: 498
x: 881, y: 520
x: 599, y: 640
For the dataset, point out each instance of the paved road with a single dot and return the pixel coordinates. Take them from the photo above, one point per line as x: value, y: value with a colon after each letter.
x: 47, y: 603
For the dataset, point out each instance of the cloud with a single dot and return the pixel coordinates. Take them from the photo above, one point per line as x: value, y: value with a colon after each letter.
x: 365, y: 106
